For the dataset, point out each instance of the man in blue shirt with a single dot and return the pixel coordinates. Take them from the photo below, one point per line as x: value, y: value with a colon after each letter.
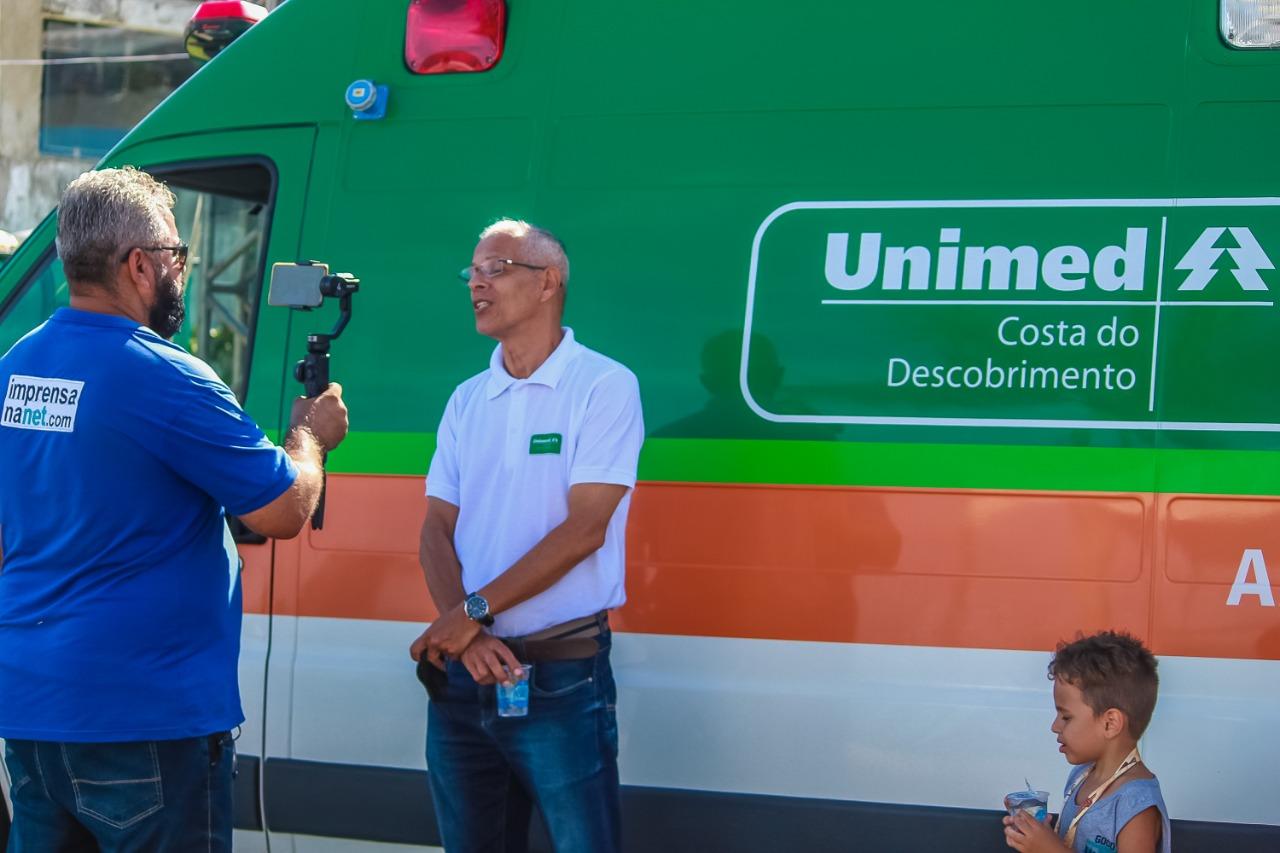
x: 120, y: 455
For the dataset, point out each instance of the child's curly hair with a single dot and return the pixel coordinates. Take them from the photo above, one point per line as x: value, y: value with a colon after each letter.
x: 1113, y: 670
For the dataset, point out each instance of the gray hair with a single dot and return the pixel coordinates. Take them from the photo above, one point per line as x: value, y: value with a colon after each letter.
x: 105, y: 213
x: 544, y: 247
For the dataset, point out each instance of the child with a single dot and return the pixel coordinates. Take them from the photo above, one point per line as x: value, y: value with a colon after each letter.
x: 1104, y: 688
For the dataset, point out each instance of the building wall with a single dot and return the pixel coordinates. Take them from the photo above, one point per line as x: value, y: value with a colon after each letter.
x: 21, y: 182
x: 31, y: 181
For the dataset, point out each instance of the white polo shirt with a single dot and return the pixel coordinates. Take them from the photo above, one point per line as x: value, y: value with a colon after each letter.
x: 506, y: 454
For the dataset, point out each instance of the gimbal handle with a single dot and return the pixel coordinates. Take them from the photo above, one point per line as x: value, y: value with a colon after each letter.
x: 313, y: 370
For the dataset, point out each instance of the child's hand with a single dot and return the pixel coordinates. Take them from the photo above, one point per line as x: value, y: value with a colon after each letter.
x: 1023, y: 832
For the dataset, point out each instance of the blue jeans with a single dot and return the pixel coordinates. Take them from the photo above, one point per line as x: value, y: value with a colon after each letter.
x: 169, y: 795
x: 486, y: 771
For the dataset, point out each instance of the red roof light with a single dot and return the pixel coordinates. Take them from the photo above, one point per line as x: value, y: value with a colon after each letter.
x: 250, y: 12
x: 218, y: 23
x: 443, y: 36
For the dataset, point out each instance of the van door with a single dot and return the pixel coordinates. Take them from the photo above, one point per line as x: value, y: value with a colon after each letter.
x: 243, y: 194
x: 239, y: 197
x: 1214, y: 602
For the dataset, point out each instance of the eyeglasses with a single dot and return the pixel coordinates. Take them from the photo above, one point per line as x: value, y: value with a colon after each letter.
x: 493, y: 268
x: 179, y: 252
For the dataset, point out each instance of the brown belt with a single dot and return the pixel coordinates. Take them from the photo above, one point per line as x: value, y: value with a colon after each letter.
x: 573, y: 640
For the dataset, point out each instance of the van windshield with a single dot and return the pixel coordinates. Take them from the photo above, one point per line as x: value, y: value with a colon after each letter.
x: 221, y: 212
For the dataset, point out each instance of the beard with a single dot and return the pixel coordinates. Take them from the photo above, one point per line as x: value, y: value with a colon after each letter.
x: 166, y: 315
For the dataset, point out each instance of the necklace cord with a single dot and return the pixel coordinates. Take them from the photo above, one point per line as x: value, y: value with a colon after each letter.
x: 1130, y: 760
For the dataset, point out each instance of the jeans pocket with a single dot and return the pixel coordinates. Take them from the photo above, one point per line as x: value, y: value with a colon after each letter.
x: 19, y: 776
x: 557, y: 679
x: 115, y: 783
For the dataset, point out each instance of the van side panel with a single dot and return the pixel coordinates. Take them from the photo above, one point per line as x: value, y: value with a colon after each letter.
x: 849, y: 613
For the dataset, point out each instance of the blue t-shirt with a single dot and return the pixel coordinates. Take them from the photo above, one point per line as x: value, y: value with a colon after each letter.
x: 119, y: 583
x: 1100, y: 827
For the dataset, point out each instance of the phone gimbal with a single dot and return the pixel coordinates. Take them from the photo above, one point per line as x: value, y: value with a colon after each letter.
x: 313, y: 370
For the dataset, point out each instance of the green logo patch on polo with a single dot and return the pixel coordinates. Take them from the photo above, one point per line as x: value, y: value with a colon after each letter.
x: 547, y: 442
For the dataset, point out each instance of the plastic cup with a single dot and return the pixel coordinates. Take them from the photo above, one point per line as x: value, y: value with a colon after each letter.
x: 1034, y: 803
x: 513, y: 698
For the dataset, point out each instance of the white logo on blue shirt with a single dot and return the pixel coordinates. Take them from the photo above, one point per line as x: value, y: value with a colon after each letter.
x: 34, y: 402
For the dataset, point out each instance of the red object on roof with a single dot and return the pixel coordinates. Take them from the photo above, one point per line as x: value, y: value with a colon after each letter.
x: 251, y: 12
x: 217, y: 24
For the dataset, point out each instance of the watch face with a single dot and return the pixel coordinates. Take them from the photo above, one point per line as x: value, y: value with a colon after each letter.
x: 476, y: 607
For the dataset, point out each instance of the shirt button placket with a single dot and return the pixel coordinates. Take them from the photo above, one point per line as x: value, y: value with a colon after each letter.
x: 515, y: 424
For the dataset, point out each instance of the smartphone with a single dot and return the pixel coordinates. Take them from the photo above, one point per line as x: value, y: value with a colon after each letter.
x: 296, y: 285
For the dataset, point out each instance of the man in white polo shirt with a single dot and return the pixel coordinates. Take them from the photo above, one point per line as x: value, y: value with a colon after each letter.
x: 523, y: 551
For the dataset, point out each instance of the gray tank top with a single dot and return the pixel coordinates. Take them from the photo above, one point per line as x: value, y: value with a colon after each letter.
x: 1100, y: 827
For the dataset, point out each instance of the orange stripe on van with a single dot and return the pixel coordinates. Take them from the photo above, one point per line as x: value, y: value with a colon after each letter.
x: 979, y: 569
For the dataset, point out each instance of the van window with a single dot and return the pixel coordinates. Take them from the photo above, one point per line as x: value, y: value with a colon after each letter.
x: 44, y: 291
x: 222, y: 214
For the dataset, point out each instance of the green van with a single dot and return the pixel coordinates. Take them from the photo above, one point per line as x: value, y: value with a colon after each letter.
x: 956, y: 334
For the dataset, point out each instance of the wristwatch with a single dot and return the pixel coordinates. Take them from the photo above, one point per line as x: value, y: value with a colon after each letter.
x: 477, y: 609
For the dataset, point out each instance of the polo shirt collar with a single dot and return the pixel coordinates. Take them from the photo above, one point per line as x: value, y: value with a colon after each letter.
x: 548, y: 373
x: 67, y: 314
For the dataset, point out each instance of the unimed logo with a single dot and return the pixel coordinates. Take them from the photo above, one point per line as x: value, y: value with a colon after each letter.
x: 970, y: 267
x: 954, y: 265
x: 36, y: 402
x: 1113, y: 313
x: 1201, y: 261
